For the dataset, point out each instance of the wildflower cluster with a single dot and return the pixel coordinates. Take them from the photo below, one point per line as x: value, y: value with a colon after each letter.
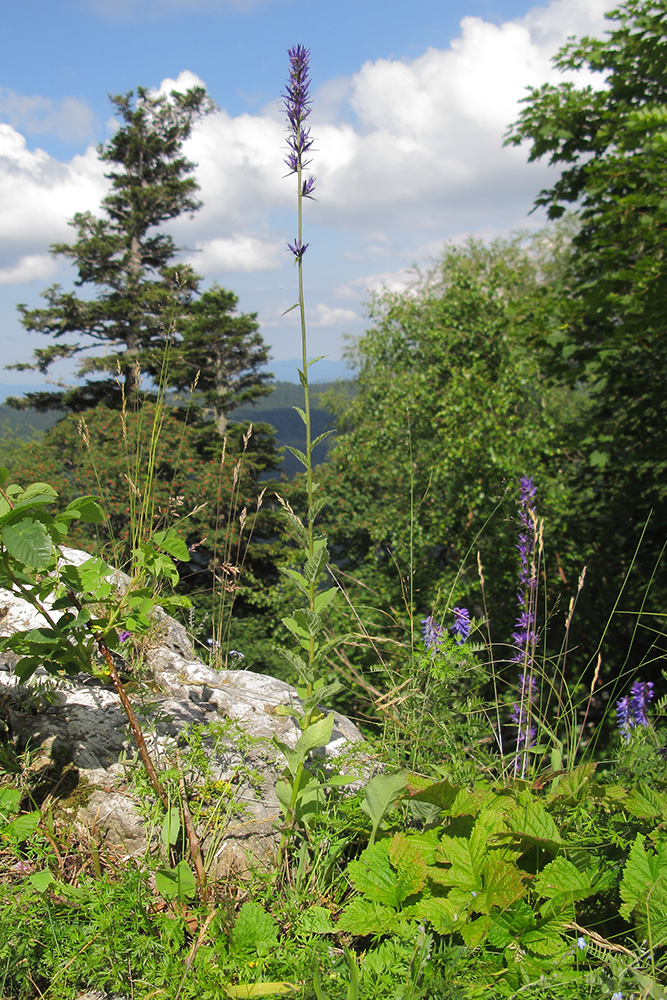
x: 434, y: 634
x: 631, y: 710
x: 521, y: 712
x: 524, y: 636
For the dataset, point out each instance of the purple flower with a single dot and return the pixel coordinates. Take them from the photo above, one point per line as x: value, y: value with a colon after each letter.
x: 462, y: 625
x: 298, y: 248
x: 432, y: 633
x: 521, y: 716
x: 631, y: 711
x: 525, y: 635
x: 124, y: 635
x: 297, y: 109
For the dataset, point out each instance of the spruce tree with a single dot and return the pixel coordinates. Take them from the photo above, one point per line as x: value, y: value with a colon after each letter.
x: 221, y: 353
x: 123, y: 256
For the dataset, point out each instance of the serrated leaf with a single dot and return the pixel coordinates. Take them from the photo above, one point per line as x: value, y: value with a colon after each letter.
x: 503, y: 883
x: 561, y: 878
x: 320, y: 438
x: 531, y: 821
x: 29, y: 543
x: 362, y: 917
x: 324, y: 598
x: 23, y: 827
x: 298, y: 455
x: 296, y: 661
x: 476, y: 931
x: 410, y: 865
x: 301, y: 414
x: 297, y: 577
x: 316, y: 564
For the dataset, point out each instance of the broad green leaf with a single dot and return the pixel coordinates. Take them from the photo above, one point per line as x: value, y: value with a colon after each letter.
x: 171, y: 827
x: 29, y: 543
x: 255, y: 931
x: 41, y: 881
x: 503, y: 884
x: 324, y: 598
x: 531, y: 821
x: 476, y: 931
x: 10, y: 800
x: 363, y: 916
x: 176, y: 883
x: 172, y: 543
x: 23, y: 827
x: 316, y: 735
x: 440, y: 793
x: 561, y: 877
x: 465, y: 861
x: 443, y: 913
x: 382, y: 793
x: 88, y: 509
x: 410, y: 865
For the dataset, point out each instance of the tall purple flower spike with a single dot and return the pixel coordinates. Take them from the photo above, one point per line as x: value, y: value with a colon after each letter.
x: 299, y: 140
x: 631, y: 711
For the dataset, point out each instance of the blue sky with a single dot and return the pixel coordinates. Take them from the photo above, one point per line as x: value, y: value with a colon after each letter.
x: 411, y: 102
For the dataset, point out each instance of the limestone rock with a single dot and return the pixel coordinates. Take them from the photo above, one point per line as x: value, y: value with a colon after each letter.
x: 79, y: 731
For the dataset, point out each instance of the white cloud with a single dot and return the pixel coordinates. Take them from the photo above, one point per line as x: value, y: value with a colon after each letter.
x: 325, y: 315
x: 240, y: 254
x: 69, y: 118
x: 29, y: 268
x: 39, y: 194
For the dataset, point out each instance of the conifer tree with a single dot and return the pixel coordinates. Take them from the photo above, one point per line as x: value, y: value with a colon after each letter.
x: 221, y: 351
x: 123, y: 256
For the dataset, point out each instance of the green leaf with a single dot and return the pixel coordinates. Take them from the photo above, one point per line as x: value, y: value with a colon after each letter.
x: 324, y: 598
x: 255, y: 931
x: 29, y: 543
x: 362, y: 917
x: 316, y: 564
x: 41, y: 881
x: 172, y: 543
x: 382, y: 793
x: 561, y: 878
x: 299, y: 455
x: 88, y: 509
x: 176, y: 883
x: 301, y: 414
x: 318, y: 734
x: 10, y: 800
x: 23, y: 827
x: 171, y: 827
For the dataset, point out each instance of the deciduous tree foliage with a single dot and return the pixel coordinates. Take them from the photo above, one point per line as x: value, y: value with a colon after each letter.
x: 451, y: 409
x: 610, y: 139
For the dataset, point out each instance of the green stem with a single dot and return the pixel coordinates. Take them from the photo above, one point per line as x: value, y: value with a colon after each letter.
x: 306, y: 393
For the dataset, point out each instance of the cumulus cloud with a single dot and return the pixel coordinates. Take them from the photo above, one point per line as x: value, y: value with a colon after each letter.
x: 39, y: 194
x: 32, y: 266
x: 240, y: 254
x: 325, y: 315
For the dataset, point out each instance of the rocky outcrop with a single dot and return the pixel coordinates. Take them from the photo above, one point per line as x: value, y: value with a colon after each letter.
x: 217, y: 726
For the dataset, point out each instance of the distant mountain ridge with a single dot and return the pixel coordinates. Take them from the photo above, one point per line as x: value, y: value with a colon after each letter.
x: 276, y: 409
